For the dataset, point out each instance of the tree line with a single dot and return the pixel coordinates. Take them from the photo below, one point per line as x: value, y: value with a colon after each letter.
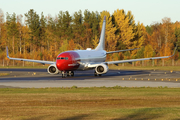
x: 34, y: 36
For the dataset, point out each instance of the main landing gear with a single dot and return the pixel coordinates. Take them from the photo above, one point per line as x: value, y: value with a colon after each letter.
x: 68, y: 73
x: 95, y: 74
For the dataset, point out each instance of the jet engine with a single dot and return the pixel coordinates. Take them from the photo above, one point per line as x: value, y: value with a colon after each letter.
x: 52, y: 69
x: 101, y: 69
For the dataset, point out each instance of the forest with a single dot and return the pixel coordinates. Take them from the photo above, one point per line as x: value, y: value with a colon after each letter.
x: 34, y: 36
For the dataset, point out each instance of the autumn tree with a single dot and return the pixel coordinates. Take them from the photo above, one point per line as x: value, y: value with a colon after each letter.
x: 168, y: 35
x: 139, y: 37
x: 71, y: 45
x: 87, y: 28
x: 26, y: 43
x: 12, y: 29
x: 19, y: 26
x: 125, y: 28
x: 91, y: 27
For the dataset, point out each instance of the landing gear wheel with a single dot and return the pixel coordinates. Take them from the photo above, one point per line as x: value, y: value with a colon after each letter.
x: 95, y: 74
x: 100, y: 74
x: 63, y: 74
x: 68, y: 73
x: 72, y: 73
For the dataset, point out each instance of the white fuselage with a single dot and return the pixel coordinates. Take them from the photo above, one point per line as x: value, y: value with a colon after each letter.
x: 90, y: 57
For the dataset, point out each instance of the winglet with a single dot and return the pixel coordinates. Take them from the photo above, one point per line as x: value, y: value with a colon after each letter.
x: 104, y: 17
x: 174, y: 51
x: 7, y: 52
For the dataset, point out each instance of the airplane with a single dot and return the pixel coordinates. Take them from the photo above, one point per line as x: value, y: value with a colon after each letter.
x: 69, y: 61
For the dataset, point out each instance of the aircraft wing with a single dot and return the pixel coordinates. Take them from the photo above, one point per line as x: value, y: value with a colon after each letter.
x: 120, y: 51
x: 29, y: 60
x: 141, y: 59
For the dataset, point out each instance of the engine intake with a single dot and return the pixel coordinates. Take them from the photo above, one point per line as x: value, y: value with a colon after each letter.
x: 52, y: 69
x: 101, y: 69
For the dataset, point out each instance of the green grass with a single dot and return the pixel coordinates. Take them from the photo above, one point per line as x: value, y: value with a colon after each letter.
x: 4, y: 74
x: 114, y: 103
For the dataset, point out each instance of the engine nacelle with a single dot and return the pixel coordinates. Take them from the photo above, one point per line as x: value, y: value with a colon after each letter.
x: 101, y: 69
x: 52, y: 69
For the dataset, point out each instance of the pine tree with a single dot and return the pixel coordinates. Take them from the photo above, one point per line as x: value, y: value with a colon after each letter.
x: 77, y: 27
x: 32, y: 20
x: 2, y: 26
x: 94, y: 23
x: 42, y: 31
x: 12, y: 29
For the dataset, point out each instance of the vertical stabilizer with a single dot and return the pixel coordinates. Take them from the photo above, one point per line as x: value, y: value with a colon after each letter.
x: 101, y: 45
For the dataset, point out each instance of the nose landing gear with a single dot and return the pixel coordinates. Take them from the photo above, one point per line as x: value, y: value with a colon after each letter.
x: 63, y: 74
x: 69, y: 73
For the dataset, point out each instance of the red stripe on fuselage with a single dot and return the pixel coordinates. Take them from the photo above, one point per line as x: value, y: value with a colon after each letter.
x: 70, y: 64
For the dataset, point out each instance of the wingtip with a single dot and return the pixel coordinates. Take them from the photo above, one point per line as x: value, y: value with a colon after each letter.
x: 174, y: 51
x: 7, y: 52
x: 104, y: 17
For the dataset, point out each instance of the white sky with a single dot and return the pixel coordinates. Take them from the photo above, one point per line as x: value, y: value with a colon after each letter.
x: 145, y: 11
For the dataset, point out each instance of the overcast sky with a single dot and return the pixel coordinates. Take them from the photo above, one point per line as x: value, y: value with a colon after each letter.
x: 145, y: 11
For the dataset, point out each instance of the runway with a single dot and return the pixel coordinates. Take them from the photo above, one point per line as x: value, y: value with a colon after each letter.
x: 39, y: 78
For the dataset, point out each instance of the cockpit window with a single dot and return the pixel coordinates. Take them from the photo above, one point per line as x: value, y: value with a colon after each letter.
x: 62, y: 58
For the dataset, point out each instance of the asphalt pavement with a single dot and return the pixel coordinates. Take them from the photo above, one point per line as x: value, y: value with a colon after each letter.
x: 39, y: 78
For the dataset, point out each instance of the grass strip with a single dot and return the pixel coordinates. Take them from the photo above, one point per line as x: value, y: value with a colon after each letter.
x: 115, y: 103
x: 4, y: 74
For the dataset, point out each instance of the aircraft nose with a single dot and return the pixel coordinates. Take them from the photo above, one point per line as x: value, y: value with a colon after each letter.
x: 63, y: 61
x: 59, y: 64
x: 66, y: 61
